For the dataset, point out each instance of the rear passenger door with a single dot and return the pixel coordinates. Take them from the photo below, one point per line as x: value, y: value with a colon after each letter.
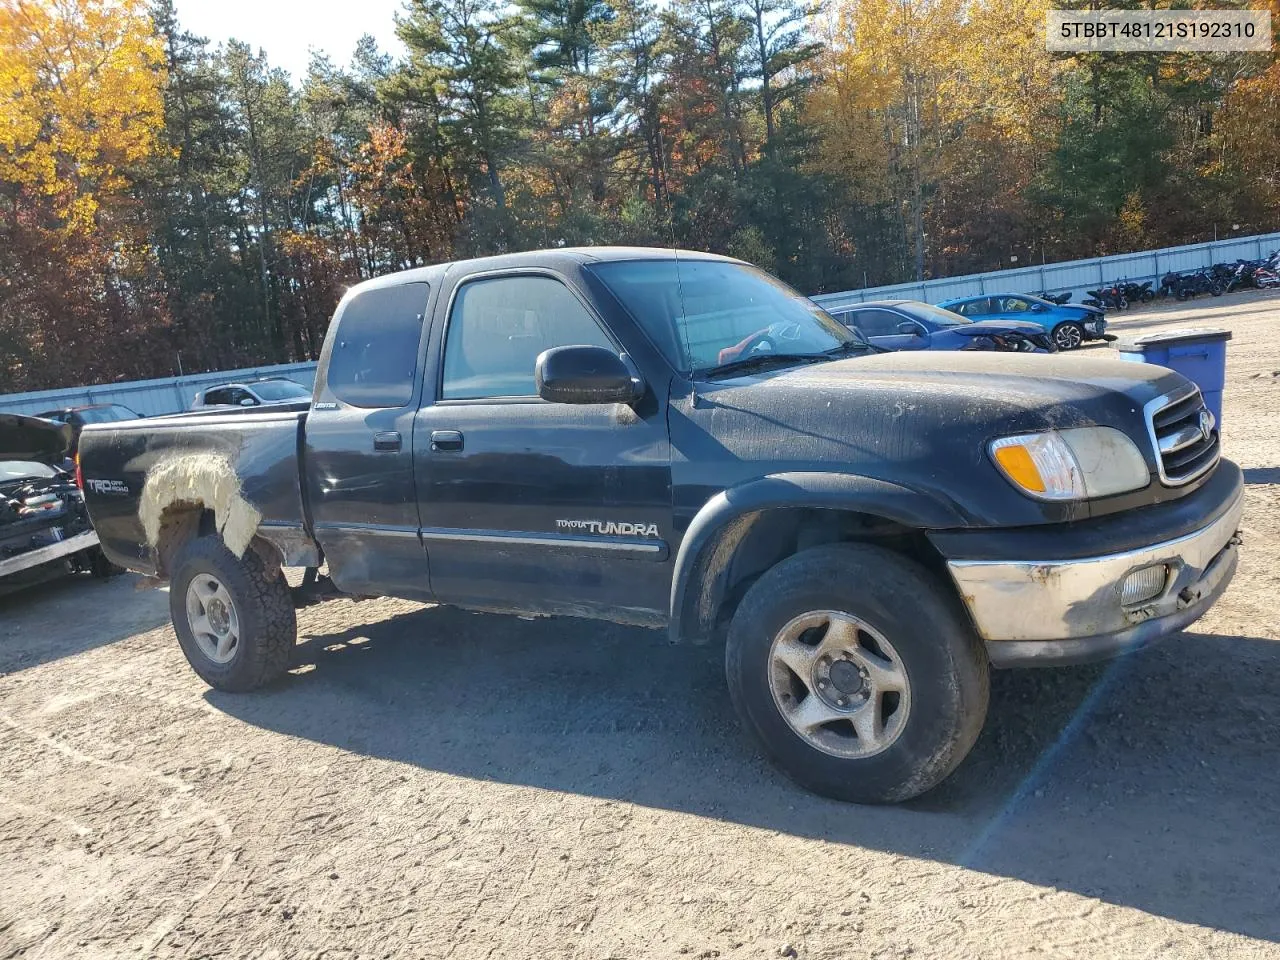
x: 358, y: 454
x: 531, y: 505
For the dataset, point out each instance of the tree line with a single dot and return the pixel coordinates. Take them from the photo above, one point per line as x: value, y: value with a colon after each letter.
x: 170, y: 204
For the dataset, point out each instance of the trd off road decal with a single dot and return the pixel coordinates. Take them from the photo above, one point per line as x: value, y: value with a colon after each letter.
x: 610, y: 528
x: 108, y: 488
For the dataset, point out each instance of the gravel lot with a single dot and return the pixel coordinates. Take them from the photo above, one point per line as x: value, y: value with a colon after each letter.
x: 432, y: 783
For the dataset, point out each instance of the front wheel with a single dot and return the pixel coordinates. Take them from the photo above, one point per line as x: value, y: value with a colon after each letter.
x: 234, y: 618
x: 855, y: 693
x: 1068, y: 336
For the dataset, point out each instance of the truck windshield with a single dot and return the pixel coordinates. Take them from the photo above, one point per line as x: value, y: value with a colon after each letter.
x: 705, y: 314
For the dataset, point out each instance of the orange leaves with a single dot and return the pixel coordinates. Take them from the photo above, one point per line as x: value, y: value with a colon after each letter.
x: 80, y: 99
x: 1248, y: 134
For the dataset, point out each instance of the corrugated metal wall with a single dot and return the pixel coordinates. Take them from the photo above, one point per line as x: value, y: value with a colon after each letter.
x: 1075, y: 275
x: 150, y: 397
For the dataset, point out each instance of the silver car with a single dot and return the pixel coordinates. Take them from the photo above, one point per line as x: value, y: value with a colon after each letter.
x: 252, y: 393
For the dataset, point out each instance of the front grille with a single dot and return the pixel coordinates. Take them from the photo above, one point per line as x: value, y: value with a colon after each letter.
x: 1185, y: 436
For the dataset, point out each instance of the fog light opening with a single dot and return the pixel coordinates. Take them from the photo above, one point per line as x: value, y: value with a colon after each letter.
x: 1144, y: 584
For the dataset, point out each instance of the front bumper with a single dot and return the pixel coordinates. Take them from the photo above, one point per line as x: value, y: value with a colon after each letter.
x: 1050, y: 612
x: 1095, y: 328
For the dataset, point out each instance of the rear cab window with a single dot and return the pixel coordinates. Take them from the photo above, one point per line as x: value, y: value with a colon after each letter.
x: 375, y: 354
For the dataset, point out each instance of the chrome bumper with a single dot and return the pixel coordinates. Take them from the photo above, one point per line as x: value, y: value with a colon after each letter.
x: 1069, y: 611
x: 47, y: 554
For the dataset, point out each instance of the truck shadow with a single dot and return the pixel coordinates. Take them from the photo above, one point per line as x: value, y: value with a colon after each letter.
x: 1149, y: 782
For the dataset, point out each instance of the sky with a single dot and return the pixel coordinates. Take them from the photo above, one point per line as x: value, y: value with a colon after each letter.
x: 286, y: 29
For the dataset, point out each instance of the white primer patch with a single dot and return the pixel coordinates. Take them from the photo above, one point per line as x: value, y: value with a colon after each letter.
x: 199, y: 480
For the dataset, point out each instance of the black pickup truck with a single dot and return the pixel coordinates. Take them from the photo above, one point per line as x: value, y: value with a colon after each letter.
x: 678, y: 440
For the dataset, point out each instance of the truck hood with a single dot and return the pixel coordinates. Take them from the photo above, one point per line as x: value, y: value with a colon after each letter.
x: 967, y: 385
x: 33, y: 439
x: 925, y: 419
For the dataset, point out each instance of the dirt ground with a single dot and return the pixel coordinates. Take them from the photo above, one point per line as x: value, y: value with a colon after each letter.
x: 431, y: 783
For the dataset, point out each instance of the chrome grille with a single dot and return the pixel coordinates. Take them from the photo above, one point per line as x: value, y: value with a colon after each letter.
x: 1184, y: 435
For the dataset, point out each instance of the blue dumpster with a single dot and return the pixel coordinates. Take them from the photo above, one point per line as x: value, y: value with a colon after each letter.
x: 1199, y: 355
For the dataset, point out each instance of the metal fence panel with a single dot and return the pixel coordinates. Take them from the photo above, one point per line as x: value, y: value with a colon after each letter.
x: 1076, y: 276
x: 151, y: 397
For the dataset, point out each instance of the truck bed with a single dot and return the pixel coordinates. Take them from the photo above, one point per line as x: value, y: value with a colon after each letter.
x: 262, y: 447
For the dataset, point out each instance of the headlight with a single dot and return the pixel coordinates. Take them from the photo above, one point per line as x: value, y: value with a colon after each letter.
x: 1077, y: 464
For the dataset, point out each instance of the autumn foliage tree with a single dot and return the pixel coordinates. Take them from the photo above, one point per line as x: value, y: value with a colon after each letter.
x: 79, y: 111
x: 170, y: 204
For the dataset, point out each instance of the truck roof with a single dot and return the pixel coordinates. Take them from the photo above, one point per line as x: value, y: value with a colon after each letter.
x: 556, y: 256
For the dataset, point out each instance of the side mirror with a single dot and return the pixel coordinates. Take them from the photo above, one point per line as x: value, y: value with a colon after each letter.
x: 248, y: 402
x: 909, y: 329
x: 582, y: 374
x: 1037, y: 308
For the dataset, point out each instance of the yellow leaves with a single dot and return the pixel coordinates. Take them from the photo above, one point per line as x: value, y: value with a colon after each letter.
x: 1131, y: 224
x: 928, y: 84
x: 80, y: 99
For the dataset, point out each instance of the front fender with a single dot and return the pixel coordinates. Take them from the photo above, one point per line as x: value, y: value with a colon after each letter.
x: 719, y: 525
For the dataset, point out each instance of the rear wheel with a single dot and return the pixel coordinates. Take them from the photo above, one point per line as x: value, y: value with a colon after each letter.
x: 234, y: 618
x: 1068, y: 336
x: 853, y: 692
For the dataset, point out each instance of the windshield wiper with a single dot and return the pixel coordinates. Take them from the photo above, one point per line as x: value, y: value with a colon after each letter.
x: 846, y: 348
x: 763, y: 361
x: 760, y: 361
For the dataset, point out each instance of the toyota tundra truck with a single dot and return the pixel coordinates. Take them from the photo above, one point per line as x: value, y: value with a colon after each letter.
x: 678, y: 440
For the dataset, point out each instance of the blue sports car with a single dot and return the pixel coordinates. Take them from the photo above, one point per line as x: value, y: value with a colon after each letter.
x: 1068, y: 324
x: 912, y: 325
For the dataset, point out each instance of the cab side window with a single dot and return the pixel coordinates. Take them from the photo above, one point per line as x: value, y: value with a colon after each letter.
x: 375, y: 354
x: 497, y: 328
x: 879, y: 323
x: 973, y: 308
x: 215, y: 397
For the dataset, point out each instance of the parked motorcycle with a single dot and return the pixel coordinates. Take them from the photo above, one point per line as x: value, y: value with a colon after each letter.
x: 1265, y: 278
x: 1058, y: 298
x: 1109, y: 298
x: 1137, y: 292
x: 1188, y: 285
x: 1243, y: 275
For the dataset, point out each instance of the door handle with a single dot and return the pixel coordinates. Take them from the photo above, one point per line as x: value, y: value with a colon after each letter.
x: 388, y: 442
x: 446, y: 440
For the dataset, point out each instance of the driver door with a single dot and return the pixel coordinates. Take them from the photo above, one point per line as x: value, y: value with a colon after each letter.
x: 528, y: 505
